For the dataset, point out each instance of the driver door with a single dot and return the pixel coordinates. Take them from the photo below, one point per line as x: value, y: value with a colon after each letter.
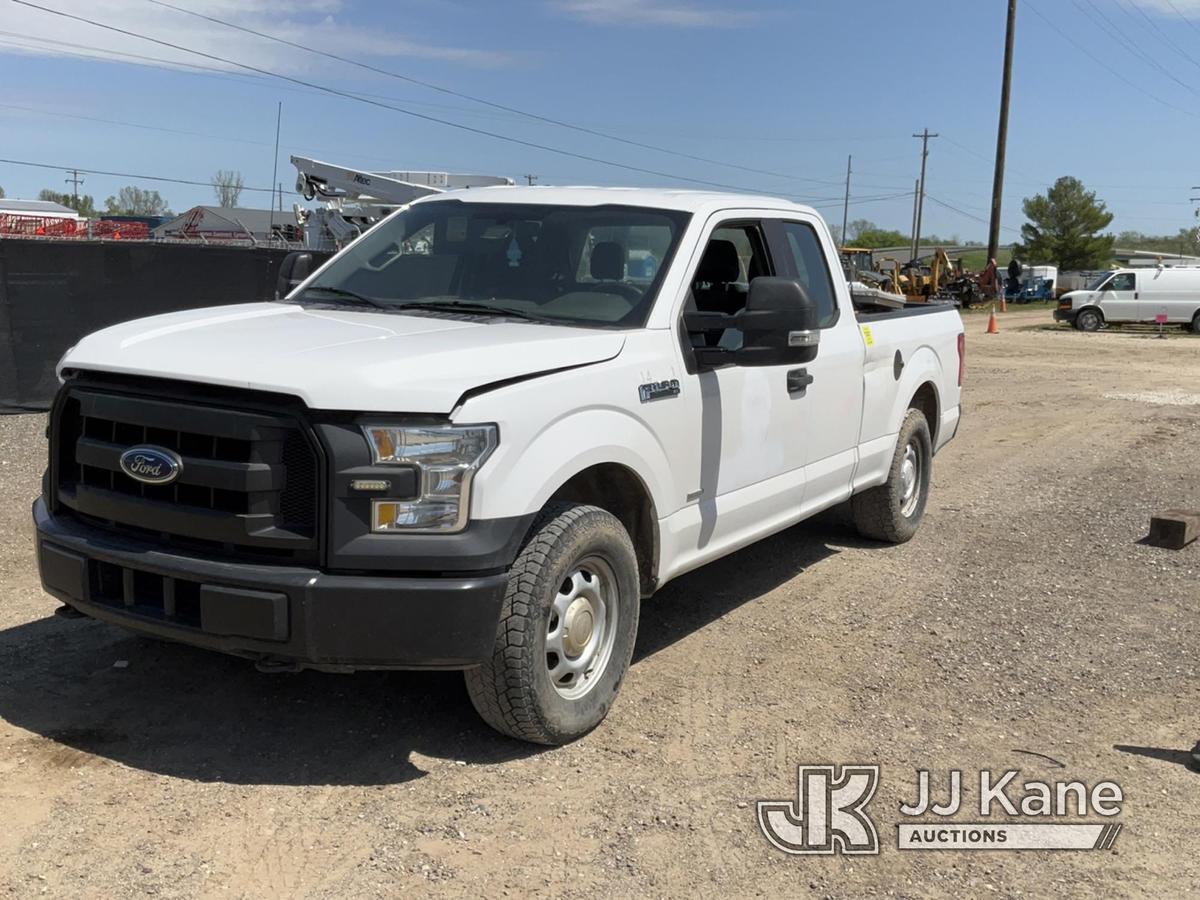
x: 1119, y: 300
x: 752, y: 443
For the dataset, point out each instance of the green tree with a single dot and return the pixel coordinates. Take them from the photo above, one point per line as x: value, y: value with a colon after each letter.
x: 1064, y: 228
x: 83, y: 204
x: 865, y: 233
x: 2, y: 194
x: 874, y: 238
x: 134, y: 201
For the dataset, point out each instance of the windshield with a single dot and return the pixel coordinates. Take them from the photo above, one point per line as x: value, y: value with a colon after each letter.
x: 582, y: 265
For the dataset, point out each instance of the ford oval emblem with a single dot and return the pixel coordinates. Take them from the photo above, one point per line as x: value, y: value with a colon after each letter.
x: 151, y: 465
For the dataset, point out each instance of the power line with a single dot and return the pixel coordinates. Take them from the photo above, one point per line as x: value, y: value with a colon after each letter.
x: 1114, y: 31
x: 1162, y: 34
x: 66, y: 115
x: 965, y: 214
x: 1179, y: 13
x: 491, y: 103
x: 38, y: 165
x: 408, y: 112
x: 1098, y: 61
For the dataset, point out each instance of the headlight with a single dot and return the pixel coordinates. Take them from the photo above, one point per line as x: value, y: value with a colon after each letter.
x: 446, y: 459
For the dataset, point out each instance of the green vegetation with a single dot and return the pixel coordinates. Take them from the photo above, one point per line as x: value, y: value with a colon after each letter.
x: 865, y: 233
x: 1064, y: 228
x: 84, y: 204
x: 136, y: 201
x: 1185, y: 242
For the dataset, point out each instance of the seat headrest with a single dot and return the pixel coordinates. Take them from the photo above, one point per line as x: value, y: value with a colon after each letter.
x: 608, y: 261
x: 720, y: 264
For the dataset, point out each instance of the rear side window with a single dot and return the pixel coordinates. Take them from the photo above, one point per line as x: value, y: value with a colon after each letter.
x: 812, y: 269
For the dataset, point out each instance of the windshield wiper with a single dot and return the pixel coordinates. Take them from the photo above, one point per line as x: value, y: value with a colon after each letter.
x: 343, y: 294
x: 459, y: 307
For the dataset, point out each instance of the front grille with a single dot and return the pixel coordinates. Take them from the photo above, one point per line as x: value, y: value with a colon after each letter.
x: 248, y: 487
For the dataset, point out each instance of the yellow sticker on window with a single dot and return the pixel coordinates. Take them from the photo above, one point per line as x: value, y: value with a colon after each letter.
x: 868, y: 336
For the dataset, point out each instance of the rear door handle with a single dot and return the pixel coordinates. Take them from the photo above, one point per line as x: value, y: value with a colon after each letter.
x: 798, y: 381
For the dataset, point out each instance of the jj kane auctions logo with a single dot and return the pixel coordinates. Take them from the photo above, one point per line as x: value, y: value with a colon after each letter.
x: 829, y: 814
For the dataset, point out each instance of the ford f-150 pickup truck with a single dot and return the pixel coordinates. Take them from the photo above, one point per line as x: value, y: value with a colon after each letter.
x: 483, y: 433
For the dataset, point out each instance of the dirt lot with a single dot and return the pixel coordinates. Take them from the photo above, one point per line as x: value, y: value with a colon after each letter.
x: 1026, y: 616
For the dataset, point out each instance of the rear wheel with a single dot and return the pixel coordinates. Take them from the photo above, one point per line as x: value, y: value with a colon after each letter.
x: 1089, y: 320
x: 567, y: 629
x: 893, y: 511
x: 1196, y: 323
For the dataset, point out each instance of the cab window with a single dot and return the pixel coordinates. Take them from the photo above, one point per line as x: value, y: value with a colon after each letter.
x: 811, y: 269
x: 1124, y: 281
x: 736, y: 254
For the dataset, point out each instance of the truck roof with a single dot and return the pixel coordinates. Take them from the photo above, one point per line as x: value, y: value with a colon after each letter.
x: 661, y: 198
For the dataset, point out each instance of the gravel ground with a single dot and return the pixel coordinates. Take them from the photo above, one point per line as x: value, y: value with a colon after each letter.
x: 1026, y: 616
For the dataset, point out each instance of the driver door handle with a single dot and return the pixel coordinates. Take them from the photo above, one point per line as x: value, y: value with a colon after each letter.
x: 798, y: 381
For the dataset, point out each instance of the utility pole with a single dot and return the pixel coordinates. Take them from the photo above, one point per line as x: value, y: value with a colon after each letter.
x: 846, y: 207
x: 912, y: 255
x: 1002, y: 135
x: 275, y: 166
x: 75, y: 181
x: 924, y: 136
x: 531, y: 179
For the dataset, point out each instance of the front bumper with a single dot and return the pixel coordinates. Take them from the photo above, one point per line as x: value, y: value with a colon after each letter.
x: 278, y: 614
x: 1065, y: 315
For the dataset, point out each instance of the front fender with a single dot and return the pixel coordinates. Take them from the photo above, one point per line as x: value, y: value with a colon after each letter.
x: 520, y: 479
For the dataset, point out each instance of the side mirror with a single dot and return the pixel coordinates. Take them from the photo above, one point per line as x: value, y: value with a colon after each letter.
x: 779, y: 326
x: 296, y: 266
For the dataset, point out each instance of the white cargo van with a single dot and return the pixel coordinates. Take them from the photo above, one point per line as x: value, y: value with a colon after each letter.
x: 1135, y: 295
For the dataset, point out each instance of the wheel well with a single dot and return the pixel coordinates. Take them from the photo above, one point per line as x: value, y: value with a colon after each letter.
x: 620, y: 491
x: 1097, y: 310
x: 926, y: 400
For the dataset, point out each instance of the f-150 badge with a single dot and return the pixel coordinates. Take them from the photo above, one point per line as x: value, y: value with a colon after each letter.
x: 657, y: 390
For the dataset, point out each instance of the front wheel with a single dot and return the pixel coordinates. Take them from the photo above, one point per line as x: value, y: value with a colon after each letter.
x: 893, y: 511
x: 567, y: 629
x: 1089, y: 320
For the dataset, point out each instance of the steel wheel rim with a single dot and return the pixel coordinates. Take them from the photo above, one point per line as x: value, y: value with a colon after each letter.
x: 1090, y: 321
x: 581, y: 628
x: 910, y: 480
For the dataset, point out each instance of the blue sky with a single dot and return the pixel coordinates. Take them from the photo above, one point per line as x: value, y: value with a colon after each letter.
x: 1106, y: 90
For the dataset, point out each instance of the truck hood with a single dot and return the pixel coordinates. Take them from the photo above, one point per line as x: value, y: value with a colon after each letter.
x: 341, y: 359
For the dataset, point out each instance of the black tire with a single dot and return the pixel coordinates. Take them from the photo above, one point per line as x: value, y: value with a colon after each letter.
x: 887, y: 513
x: 1196, y: 323
x: 514, y: 691
x: 1089, y: 320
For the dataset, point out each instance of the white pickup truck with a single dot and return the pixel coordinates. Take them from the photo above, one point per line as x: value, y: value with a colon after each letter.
x: 483, y: 433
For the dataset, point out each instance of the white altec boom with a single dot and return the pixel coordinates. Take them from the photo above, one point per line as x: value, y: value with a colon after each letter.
x: 356, y: 199
x: 484, y: 432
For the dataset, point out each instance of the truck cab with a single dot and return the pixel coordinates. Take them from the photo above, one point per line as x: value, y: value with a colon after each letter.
x: 483, y: 433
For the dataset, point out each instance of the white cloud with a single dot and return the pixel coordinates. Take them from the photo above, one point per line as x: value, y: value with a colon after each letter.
x: 319, y: 23
x: 677, y: 13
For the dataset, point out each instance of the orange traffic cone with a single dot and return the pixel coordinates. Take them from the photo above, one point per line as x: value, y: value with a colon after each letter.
x: 1003, y: 304
x: 993, y: 325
